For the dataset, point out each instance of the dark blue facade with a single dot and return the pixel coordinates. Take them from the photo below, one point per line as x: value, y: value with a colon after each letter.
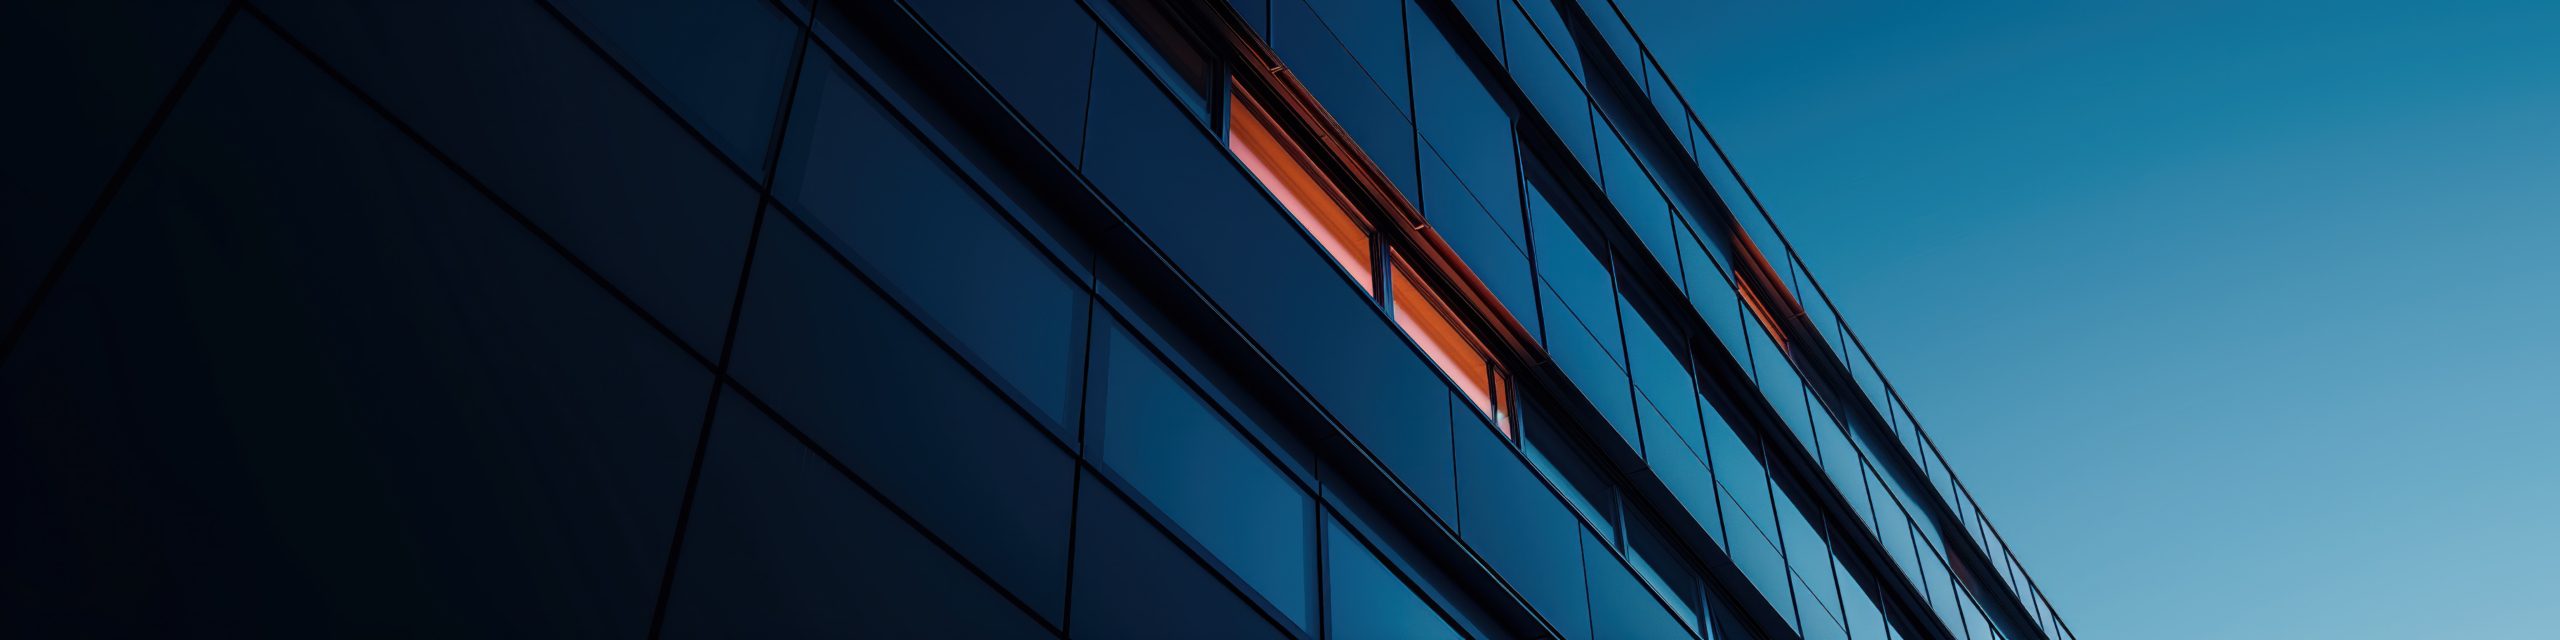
x: 918, y: 318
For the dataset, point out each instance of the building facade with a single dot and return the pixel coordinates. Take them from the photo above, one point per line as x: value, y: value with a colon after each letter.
x: 929, y: 318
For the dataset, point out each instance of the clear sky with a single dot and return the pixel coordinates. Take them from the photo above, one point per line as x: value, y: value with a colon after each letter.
x: 2242, y: 318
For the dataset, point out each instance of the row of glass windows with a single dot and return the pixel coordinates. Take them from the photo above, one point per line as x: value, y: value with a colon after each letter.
x: 1628, y: 184
x: 1301, y: 185
x: 1184, y: 458
x: 1664, y: 233
x: 1572, y: 261
x: 1459, y: 208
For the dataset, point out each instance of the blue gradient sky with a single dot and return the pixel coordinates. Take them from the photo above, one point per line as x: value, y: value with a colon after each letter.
x: 2239, y: 316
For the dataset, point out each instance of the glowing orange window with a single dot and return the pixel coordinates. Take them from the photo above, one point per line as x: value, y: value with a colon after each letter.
x: 1284, y: 169
x: 1449, y: 344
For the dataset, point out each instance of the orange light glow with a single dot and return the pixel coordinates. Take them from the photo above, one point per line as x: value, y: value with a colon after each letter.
x: 1767, y: 323
x: 1448, y: 344
x: 1283, y: 169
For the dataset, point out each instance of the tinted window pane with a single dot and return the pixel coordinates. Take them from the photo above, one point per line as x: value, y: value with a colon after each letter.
x: 1569, y: 265
x: 1373, y: 30
x: 1522, y: 530
x: 875, y: 191
x: 1038, y: 54
x: 1589, y: 365
x: 1132, y: 582
x: 1367, y: 602
x: 1498, y: 261
x: 839, y: 362
x: 1461, y: 120
x: 1349, y: 93
x: 781, y: 545
x: 1662, y: 563
x: 1191, y: 463
x: 720, y: 62
x: 1570, y: 468
x: 1621, y: 608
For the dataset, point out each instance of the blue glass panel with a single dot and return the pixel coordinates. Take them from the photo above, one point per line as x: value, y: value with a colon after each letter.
x: 1863, y: 619
x: 1569, y: 467
x: 1038, y: 54
x: 512, y: 95
x: 1683, y: 470
x: 304, y: 381
x: 874, y: 190
x: 1358, y: 100
x: 1373, y: 30
x: 1365, y: 601
x: 1257, y: 14
x: 1660, y: 376
x: 781, y: 545
x: 1483, y: 21
x: 837, y: 361
x: 1133, y: 582
x: 720, y: 62
x: 1810, y: 557
x: 1622, y: 48
x: 1667, y: 569
x: 1714, y: 297
x: 1591, y: 368
x: 1580, y: 276
x: 1550, y: 87
x: 1760, y: 562
x: 1190, y: 463
x: 1741, y: 474
x: 1621, y: 608
x: 1633, y: 192
x: 1488, y: 250
x: 1777, y: 380
x: 1262, y: 270
x: 1460, y: 118
x: 1543, y: 20
x: 1522, y: 531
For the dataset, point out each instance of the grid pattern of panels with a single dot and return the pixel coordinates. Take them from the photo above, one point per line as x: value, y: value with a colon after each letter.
x: 596, y: 318
x: 690, y: 317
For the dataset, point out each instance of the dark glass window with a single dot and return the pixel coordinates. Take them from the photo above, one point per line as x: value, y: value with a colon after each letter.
x: 1578, y: 275
x: 1132, y: 582
x: 1664, y: 564
x: 1555, y: 454
x: 898, y: 210
x: 720, y: 63
x: 1365, y: 599
x: 1173, y: 52
x: 1192, y: 464
x: 765, y: 554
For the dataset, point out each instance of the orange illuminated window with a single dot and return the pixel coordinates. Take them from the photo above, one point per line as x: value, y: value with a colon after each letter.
x: 1284, y: 169
x: 1767, y: 322
x: 1449, y: 344
x: 1289, y: 170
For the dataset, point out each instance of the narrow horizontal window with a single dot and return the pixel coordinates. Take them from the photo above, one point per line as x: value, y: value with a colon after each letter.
x: 1449, y: 345
x: 1284, y: 169
x: 1294, y: 174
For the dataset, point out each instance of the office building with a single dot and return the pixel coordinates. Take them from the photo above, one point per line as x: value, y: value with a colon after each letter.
x: 929, y: 318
